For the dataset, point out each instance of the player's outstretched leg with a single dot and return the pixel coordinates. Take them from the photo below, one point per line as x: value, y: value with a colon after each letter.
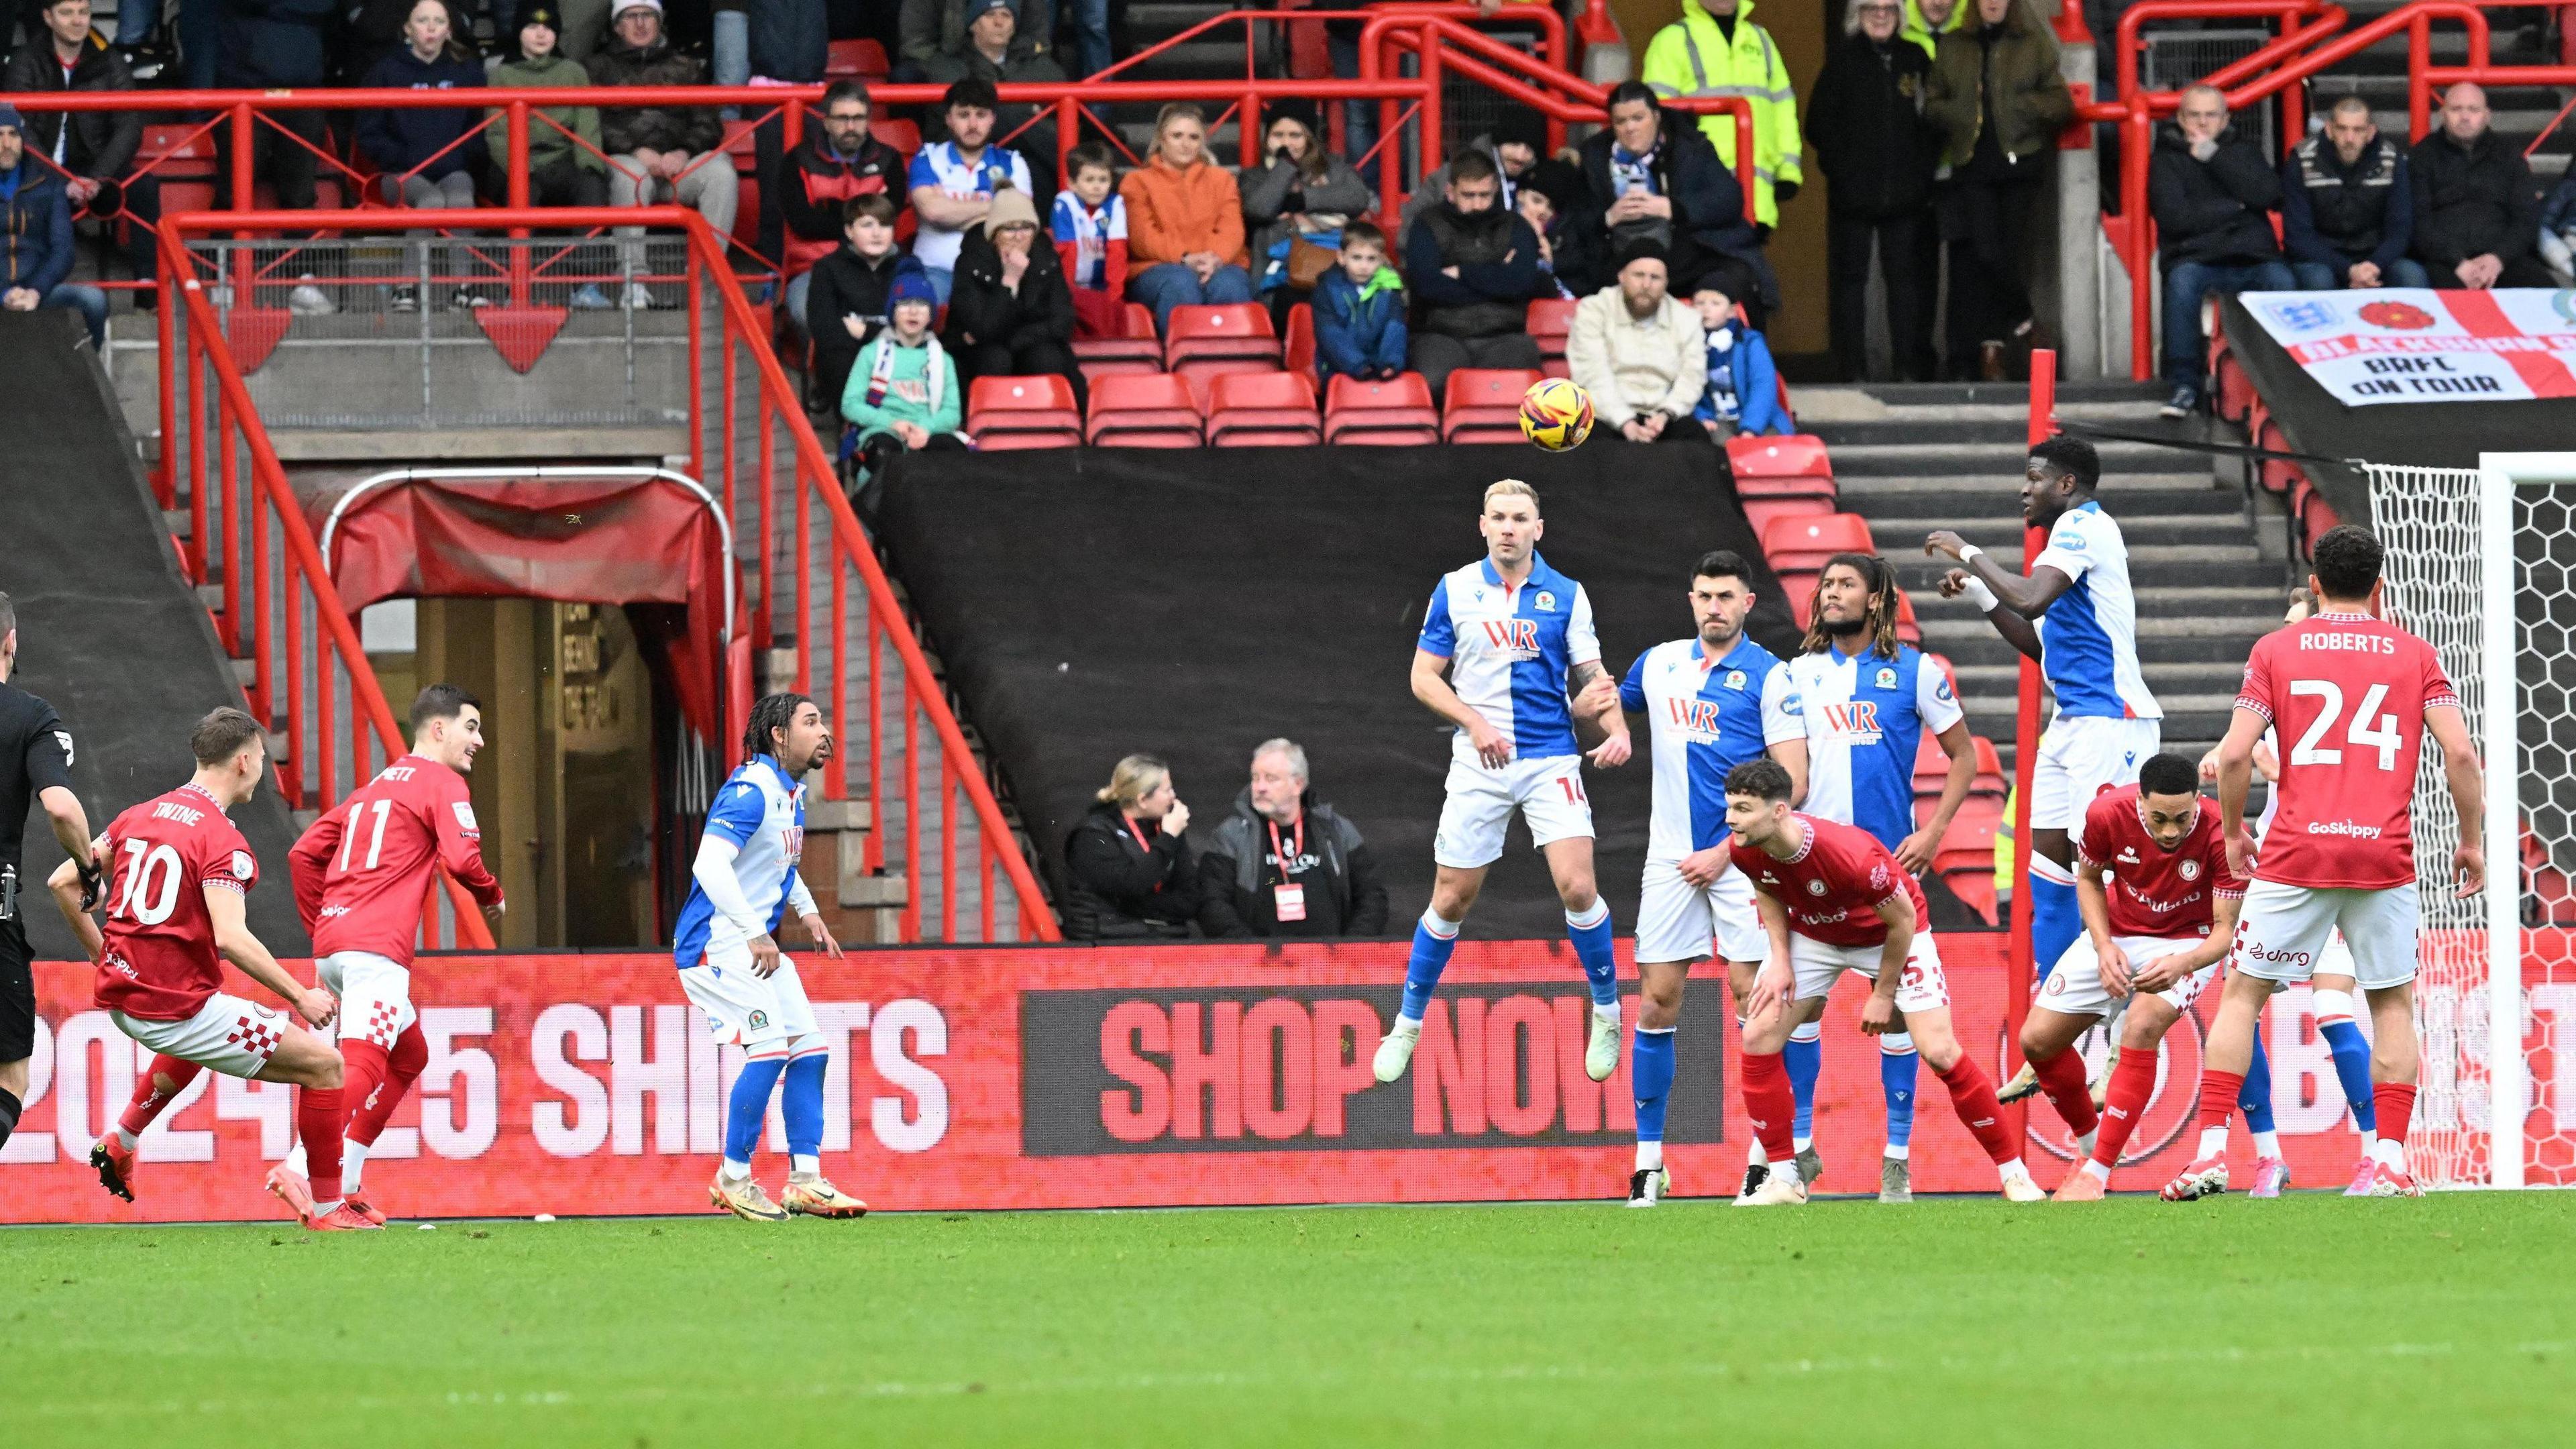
x: 2352, y: 1069
x: 1899, y: 1068
x: 113, y: 1154
x: 1435, y: 936
x: 2061, y: 1076
x: 316, y: 1070
x: 1972, y: 1096
x: 801, y: 1102
x: 746, y: 1113
x: 401, y: 1067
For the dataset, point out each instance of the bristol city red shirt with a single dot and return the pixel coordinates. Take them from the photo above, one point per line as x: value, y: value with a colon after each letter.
x: 2345, y: 695
x: 160, y: 963
x: 1832, y: 888
x: 2154, y: 891
x: 363, y: 872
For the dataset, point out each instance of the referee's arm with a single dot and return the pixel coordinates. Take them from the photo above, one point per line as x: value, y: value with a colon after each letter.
x: 48, y: 767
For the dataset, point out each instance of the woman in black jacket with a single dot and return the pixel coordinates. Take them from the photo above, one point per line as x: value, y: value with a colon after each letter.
x: 1865, y: 119
x: 1127, y: 866
x: 1010, y: 313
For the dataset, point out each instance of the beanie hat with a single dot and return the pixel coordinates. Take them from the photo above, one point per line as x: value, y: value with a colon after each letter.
x: 9, y: 118
x: 911, y: 284
x: 1644, y: 249
x: 1293, y: 109
x: 1011, y: 206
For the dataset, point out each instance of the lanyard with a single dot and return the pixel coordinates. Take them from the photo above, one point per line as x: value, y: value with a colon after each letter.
x: 1142, y: 843
x: 1284, y: 856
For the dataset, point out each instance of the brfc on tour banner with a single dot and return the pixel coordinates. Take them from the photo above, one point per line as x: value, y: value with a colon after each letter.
x: 2403, y: 345
x: 1047, y: 1077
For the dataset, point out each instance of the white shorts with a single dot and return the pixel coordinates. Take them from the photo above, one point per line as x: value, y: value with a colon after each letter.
x: 743, y: 1008
x: 375, y: 996
x: 227, y: 1035
x: 2075, y: 987
x: 1548, y: 791
x: 1678, y: 921
x: 2079, y: 758
x: 2287, y: 932
x: 1819, y: 966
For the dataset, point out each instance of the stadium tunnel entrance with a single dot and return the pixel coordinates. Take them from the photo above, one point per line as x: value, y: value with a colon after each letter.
x: 594, y: 611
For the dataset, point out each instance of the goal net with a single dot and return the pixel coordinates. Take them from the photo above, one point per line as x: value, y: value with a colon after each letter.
x: 2482, y: 563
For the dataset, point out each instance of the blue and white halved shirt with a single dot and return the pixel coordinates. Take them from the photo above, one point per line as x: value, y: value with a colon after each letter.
x: 1509, y: 649
x: 1704, y: 718
x: 944, y: 166
x: 762, y: 813
x: 2089, y: 637
x: 1865, y: 715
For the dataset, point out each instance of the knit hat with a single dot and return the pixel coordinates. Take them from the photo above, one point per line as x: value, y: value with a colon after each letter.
x: 1293, y: 109
x: 1644, y: 249
x: 1521, y: 124
x: 977, y: 9
x: 911, y: 284
x: 622, y: 6
x: 1011, y: 206
x: 9, y: 119
x: 545, y: 15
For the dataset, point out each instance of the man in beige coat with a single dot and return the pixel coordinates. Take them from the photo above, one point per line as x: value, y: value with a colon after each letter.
x: 1640, y: 353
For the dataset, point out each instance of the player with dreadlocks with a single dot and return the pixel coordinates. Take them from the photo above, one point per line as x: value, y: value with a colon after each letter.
x: 1867, y: 699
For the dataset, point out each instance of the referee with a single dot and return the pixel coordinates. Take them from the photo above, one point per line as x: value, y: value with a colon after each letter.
x: 35, y: 760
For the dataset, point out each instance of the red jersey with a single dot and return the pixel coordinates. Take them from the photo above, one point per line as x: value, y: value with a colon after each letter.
x: 363, y: 872
x: 2345, y: 694
x: 2154, y: 891
x: 160, y: 963
x: 1833, y: 887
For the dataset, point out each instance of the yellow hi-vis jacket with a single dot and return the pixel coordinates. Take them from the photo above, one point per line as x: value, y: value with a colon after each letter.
x: 1691, y: 58
x: 1919, y: 30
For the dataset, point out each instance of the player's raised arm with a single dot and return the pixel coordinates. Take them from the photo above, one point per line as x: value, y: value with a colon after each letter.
x: 2466, y: 777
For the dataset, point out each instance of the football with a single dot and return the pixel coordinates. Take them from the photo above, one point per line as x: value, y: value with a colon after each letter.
x: 1556, y: 414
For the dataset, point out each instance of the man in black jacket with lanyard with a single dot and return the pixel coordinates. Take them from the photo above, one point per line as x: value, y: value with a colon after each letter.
x: 1285, y: 864
x: 35, y: 762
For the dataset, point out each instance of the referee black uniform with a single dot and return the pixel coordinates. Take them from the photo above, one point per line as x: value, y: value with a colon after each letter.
x: 35, y: 756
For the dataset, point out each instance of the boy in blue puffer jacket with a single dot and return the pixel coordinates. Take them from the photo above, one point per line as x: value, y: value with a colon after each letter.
x: 1359, y: 310
x: 1743, y: 387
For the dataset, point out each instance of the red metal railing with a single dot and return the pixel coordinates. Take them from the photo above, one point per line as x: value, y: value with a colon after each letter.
x: 2024, y: 963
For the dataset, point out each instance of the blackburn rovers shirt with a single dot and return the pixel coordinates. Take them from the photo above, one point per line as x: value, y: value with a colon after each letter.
x: 2088, y: 639
x: 1865, y: 716
x: 1704, y: 717
x: 762, y: 812
x: 946, y: 168
x: 1510, y: 648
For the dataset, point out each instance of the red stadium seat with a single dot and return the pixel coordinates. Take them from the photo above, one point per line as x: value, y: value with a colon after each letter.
x: 1008, y: 413
x: 1263, y: 410
x: 1965, y: 860
x: 1201, y: 373
x: 1229, y: 329
x: 1301, y: 340
x: 1797, y: 455
x: 1551, y: 322
x: 1909, y: 630
x: 1932, y: 766
x: 855, y: 59
x: 1805, y: 543
x: 1395, y: 413
x: 1484, y: 404
x: 1137, y: 351
x: 904, y: 136
x: 2314, y: 514
x: 1152, y: 410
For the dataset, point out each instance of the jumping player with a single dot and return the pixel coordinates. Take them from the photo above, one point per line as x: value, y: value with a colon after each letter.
x: 744, y: 883
x: 1834, y: 900
x: 1867, y: 701
x: 178, y: 875
x: 2354, y: 696
x: 1504, y: 642
x: 1710, y: 702
x: 2159, y: 907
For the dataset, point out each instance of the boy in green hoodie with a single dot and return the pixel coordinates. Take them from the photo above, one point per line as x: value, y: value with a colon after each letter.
x: 902, y: 395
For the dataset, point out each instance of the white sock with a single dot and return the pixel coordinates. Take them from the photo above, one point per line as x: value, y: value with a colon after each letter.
x: 1650, y: 1155
x: 353, y: 1163
x: 295, y: 1159
x: 1802, y: 1143
x: 808, y: 1163
x: 1609, y: 1013
x: 1404, y: 1022
x: 1586, y: 920
x: 2213, y: 1143
x: 2084, y: 1143
x: 1440, y: 925
x: 2100, y: 1173
x: 2009, y: 1171
x: 325, y: 1209
x: 2388, y: 1152
x: 2267, y: 1144
x: 1895, y: 1153
x: 1754, y: 1156
x: 124, y: 1138
x: 1807, y: 1031
x: 733, y: 1171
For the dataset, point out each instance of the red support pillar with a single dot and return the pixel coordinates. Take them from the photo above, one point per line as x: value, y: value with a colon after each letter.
x: 2043, y: 425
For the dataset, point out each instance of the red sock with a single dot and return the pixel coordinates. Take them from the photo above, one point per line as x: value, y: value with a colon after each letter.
x: 2218, y: 1096
x: 149, y: 1100
x: 319, y: 1117
x: 401, y: 1067
x: 2133, y: 1081
x: 2394, y: 1102
x: 1770, y: 1105
x: 362, y: 1070
x: 2062, y: 1078
x: 1972, y: 1096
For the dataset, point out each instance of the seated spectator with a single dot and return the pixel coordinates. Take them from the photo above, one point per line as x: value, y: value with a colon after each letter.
x: 1471, y: 265
x: 902, y: 394
x: 2558, y: 230
x: 2477, y: 213
x: 847, y: 293
x: 1287, y: 864
x: 418, y: 150
x: 1518, y: 144
x: 1127, y: 866
x: 837, y: 161
x: 1565, y: 252
x: 2348, y: 206
x: 1651, y: 176
x: 1011, y: 314
x: 1304, y: 193
x: 1359, y: 311
x: 2211, y: 195
x: 36, y: 221
x: 1090, y: 234
x: 993, y: 53
x: 1184, y: 222
x: 95, y: 147
x: 562, y: 170
x: 1743, y: 386
x: 1865, y: 118
x: 953, y: 181
x: 2000, y: 103
x: 1638, y: 351
x: 659, y: 154
x: 935, y: 35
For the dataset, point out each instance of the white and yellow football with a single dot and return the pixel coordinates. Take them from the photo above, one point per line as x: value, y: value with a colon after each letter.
x: 1556, y: 414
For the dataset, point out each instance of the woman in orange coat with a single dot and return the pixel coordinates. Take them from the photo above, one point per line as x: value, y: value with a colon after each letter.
x: 1184, y: 221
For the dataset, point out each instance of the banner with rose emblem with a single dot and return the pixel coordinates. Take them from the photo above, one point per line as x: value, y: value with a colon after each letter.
x: 2404, y: 345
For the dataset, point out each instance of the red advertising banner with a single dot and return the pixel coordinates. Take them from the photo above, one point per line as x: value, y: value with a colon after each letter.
x: 1046, y: 1077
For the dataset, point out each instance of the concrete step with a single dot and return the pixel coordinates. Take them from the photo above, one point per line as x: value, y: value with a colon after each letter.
x: 1897, y: 494
x: 1999, y: 461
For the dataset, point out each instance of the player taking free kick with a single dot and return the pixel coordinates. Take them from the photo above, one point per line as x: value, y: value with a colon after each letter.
x: 2354, y: 696
x: 178, y: 875
x: 1504, y: 642
x: 1834, y: 900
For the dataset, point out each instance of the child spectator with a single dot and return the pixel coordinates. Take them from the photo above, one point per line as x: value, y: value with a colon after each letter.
x: 1359, y: 310
x: 902, y: 394
x: 1743, y: 387
x: 1090, y: 232
x: 845, y: 303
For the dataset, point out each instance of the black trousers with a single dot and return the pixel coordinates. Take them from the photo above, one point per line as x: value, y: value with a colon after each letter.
x: 1029, y: 359
x: 1436, y: 355
x: 1987, y: 224
x: 276, y: 158
x: 1908, y: 252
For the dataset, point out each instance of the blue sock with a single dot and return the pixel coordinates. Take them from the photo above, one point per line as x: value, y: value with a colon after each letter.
x: 2351, y: 1056
x: 2055, y: 921
x: 1431, y: 950
x: 1592, y: 948
x: 749, y: 1110
x: 1896, y: 1074
x: 2255, y: 1097
x: 802, y: 1106
x: 1651, y: 1066
x: 1804, y: 1056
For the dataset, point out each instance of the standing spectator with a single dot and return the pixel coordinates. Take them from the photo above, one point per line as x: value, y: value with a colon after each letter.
x: 585, y: 28
x: 1999, y: 100
x: 2348, y: 206
x: 1287, y: 864
x: 902, y: 394
x: 1651, y: 176
x: 1518, y: 144
x: 953, y: 181
x: 267, y: 45
x: 36, y: 235
x: 837, y: 161
x: 994, y: 52
x: 849, y: 292
x: 659, y: 154
x: 1471, y: 265
x: 1127, y: 865
x: 1715, y: 49
x: 94, y: 147
x: 1090, y: 233
x: 1926, y: 21
x: 2211, y: 196
x: 1011, y: 314
x: 1359, y: 311
x: 2477, y: 213
x: 420, y: 152
x: 1743, y: 386
x: 935, y: 32
x: 784, y: 40
x: 1639, y: 353
x: 1878, y: 153
x: 1303, y: 193
x: 1091, y: 53
x: 1184, y: 221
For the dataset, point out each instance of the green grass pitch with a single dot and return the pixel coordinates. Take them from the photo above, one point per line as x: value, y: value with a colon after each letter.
x: 2311, y: 1320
